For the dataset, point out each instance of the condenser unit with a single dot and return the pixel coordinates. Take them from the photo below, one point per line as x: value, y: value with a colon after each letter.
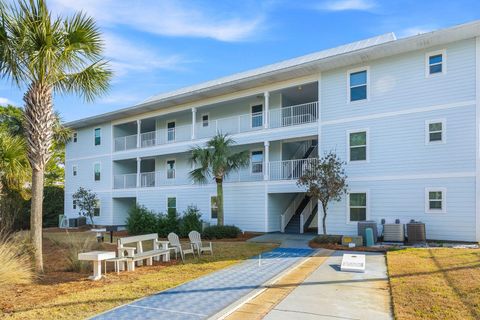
x: 394, y: 232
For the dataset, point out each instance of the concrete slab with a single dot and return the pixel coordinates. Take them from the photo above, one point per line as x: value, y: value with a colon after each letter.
x: 329, y: 293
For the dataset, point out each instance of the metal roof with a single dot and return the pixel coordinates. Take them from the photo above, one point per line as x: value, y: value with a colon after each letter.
x: 349, y: 54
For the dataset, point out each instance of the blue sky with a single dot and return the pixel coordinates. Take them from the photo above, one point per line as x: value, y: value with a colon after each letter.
x: 158, y: 46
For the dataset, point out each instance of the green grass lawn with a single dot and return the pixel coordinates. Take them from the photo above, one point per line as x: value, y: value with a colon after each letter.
x: 435, y: 283
x: 68, y: 295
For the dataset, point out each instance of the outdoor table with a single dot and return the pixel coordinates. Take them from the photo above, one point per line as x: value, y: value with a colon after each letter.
x: 164, y: 247
x: 99, y: 233
x: 96, y: 257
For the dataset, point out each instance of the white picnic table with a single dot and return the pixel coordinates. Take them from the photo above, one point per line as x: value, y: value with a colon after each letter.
x: 96, y: 257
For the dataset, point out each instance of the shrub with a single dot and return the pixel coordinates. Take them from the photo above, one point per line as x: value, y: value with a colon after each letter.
x: 15, y: 267
x: 53, y: 205
x: 221, y: 232
x: 167, y: 223
x: 141, y: 221
x: 328, y: 239
x: 190, y: 220
x: 76, y: 246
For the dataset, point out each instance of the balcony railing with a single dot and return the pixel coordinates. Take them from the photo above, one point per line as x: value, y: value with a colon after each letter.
x: 279, y: 170
x: 126, y: 143
x: 281, y: 117
x: 290, y: 169
x: 125, y: 181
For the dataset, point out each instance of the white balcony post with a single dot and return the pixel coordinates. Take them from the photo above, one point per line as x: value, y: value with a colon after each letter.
x: 139, y: 130
x: 139, y: 162
x: 194, y: 117
x: 267, y: 108
x: 266, y: 160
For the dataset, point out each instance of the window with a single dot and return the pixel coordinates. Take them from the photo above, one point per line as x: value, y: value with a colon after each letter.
x: 435, y: 63
x: 357, y: 210
x: 256, y: 160
x: 75, y: 137
x: 257, y: 116
x: 74, y: 170
x: 358, y: 85
x: 172, y: 205
x: 357, y: 146
x: 98, y: 136
x: 213, y: 207
x: 96, y: 171
x: 74, y: 204
x: 205, y: 120
x: 435, y: 200
x: 434, y: 131
x: 171, y: 131
x: 170, y: 169
x: 96, y: 210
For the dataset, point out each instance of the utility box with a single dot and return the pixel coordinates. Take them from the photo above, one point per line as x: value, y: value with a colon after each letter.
x: 416, y: 232
x: 356, y: 240
x: 363, y: 225
x: 393, y: 232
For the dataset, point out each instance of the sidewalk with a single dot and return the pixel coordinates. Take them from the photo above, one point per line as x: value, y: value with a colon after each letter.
x: 331, y: 294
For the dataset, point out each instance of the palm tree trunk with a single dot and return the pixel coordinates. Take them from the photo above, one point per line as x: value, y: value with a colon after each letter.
x: 220, y: 202
x: 40, y: 120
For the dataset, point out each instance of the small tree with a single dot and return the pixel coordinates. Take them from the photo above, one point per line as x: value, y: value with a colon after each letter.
x: 326, y: 181
x: 86, y: 202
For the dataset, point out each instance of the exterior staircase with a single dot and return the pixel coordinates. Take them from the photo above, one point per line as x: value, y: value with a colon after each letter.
x: 293, y: 225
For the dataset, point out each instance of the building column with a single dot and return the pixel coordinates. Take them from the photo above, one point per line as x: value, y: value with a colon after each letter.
x: 267, y: 108
x: 139, y: 130
x: 266, y: 157
x: 139, y: 163
x: 194, y: 117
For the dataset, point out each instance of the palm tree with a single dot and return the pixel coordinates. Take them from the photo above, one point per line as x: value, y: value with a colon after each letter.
x: 14, y: 167
x: 216, y: 161
x: 48, y: 55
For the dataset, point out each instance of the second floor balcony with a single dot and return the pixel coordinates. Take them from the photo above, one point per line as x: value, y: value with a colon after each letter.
x: 268, y: 112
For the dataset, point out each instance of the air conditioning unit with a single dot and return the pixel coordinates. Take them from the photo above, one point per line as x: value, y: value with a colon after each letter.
x: 394, y: 232
x: 416, y: 232
x: 362, y: 225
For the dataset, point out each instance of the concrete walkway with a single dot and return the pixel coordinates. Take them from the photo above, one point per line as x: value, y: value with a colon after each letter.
x: 286, y: 240
x: 330, y: 294
x: 205, y: 296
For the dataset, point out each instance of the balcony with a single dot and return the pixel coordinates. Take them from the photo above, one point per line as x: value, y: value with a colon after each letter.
x: 278, y: 170
x: 277, y: 118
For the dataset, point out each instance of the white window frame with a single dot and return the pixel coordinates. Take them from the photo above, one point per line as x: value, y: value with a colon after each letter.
x: 347, y: 211
x: 443, y: 190
x: 75, y: 170
x: 208, y: 121
x: 100, y: 166
x: 253, y: 104
x: 166, y: 202
x: 75, y: 137
x: 365, y: 68
x: 443, y: 52
x: 174, y: 168
x: 174, y: 132
x: 367, y: 155
x: 427, y: 131
x: 263, y: 161
x: 94, y: 129
x: 99, y: 207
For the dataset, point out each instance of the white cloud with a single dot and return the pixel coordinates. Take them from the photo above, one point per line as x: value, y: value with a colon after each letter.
x: 126, y: 56
x: 343, y: 5
x: 413, y: 31
x: 4, y: 101
x: 170, y: 18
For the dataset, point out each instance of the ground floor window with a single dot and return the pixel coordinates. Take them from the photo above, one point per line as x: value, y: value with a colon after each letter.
x: 213, y: 207
x: 435, y: 199
x: 172, y: 205
x: 96, y: 210
x: 357, y: 206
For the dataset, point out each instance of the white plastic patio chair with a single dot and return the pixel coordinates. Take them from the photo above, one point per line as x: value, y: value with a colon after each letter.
x: 196, y: 241
x: 174, y: 244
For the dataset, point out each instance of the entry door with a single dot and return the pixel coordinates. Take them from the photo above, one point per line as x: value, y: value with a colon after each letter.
x: 257, y: 116
x: 171, y: 131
